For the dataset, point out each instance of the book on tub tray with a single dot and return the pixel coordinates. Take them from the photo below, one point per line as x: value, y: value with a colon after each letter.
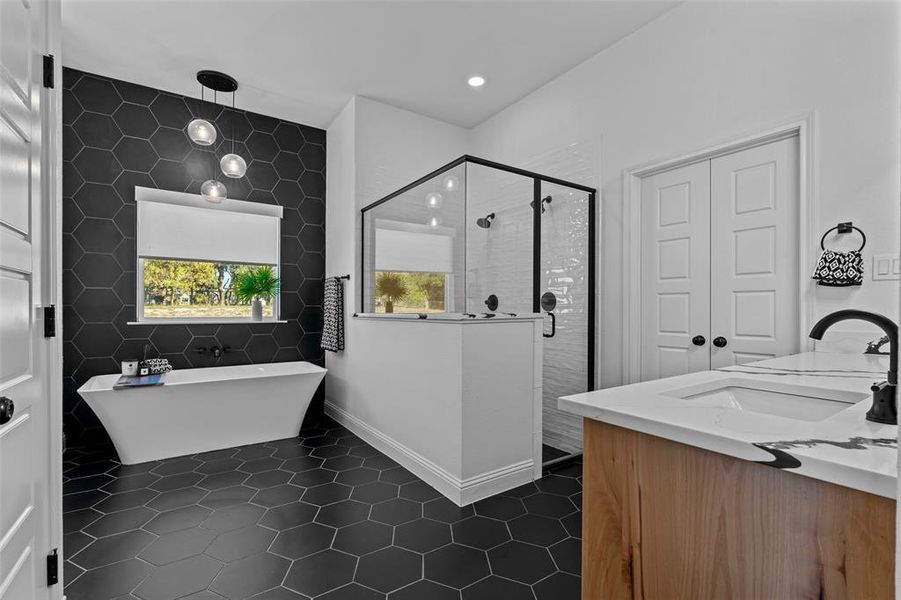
x: 136, y: 381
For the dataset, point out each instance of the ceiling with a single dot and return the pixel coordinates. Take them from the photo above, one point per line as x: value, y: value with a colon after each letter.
x: 303, y: 60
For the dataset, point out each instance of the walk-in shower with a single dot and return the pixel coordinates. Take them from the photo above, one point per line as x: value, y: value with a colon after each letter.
x: 476, y: 229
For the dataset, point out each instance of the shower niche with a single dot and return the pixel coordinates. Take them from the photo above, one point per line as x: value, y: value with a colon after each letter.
x: 489, y: 240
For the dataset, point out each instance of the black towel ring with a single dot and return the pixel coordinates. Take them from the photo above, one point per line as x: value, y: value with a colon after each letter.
x: 844, y: 228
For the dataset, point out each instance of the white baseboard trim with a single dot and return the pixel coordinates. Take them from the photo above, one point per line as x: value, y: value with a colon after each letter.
x: 460, y: 492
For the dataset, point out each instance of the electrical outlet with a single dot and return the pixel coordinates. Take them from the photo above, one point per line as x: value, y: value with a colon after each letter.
x: 886, y: 266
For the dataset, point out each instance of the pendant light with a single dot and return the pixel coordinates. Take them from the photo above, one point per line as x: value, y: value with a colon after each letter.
x: 213, y: 191
x: 231, y: 164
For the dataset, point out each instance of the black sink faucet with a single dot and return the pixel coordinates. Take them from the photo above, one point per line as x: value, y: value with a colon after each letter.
x: 885, y: 393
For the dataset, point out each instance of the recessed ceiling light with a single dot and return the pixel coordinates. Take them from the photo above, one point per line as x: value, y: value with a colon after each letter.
x: 476, y: 81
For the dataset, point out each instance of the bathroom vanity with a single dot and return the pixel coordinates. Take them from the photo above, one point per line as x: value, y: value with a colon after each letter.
x: 456, y: 400
x: 762, y: 480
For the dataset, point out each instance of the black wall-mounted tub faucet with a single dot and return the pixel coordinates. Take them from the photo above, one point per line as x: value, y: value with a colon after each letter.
x: 885, y: 393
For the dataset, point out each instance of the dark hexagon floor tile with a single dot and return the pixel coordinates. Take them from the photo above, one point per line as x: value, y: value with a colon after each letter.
x: 380, y: 462
x: 240, y: 543
x: 289, y: 515
x: 562, y: 486
x: 304, y: 540
x: 527, y: 489
x: 396, y: 512
x: 178, y: 545
x: 224, y: 497
x: 179, y: 518
x: 223, y: 480
x: 80, y: 519
x: 267, y: 479
x: 327, y: 493
x: 357, y: 476
x: 374, y: 492
x: 342, y: 463
x: 110, y: 581
x: 425, y: 590
x: 177, y: 498
x: 573, y: 524
x: 175, y: 482
x: 258, y: 465
x: 278, y: 495
x: 536, y: 529
x: 389, y: 569
x: 480, y: 532
x: 321, y: 572
x: 114, y: 548
x: 218, y: 466
x: 87, y: 484
x: 297, y: 464
x: 279, y: 593
x: 341, y: 514
x: 422, y: 535
x: 442, y: 509
x: 125, y: 500
x: 456, y: 566
x: 248, y: 453
x: 131, y: 482
x: 419, y: 491
x: 329, y: 451
x: 521, y: 562
x: 568, y: 555
x: 494, y: 587
x: 118, y: 522
x: 82, y: 500
x: 549, y: 505
x: 559, y: 586
x: 249, y: 576
x: 313, y: 477
x: 179, y: 579
x: 363, y: 538
x: 175, y: 466
x: 233, y: 517
x: 500, y: 507
x: 75, y: 542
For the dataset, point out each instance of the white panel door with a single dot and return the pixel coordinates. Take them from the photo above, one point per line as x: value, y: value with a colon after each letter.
x: 24, y: 425
x: 675, y: 271
x: 754, y: 250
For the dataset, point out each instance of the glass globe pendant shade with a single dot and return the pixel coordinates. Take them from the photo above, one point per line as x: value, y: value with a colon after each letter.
x: 433, y: 200
x: 434, y: 221
x: 202, y: 132
x: 213, y: 191
x: 451, y: 183
x: 233, y: 166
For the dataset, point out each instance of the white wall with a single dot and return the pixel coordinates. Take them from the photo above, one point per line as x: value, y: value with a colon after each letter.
x: 706, y: 73
x: 373, y: 150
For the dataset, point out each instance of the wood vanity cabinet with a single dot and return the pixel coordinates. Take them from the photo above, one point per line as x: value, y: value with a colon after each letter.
x: 663, y: 520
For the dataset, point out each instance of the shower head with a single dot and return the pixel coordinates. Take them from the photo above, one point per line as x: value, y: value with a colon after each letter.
x: 545, y: 200
x: 485, y: 222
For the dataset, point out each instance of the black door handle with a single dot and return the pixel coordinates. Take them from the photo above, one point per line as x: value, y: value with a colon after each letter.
x: 553, y: 326
x: 719, y: 342
x: 699, y: 340
x: 7, y: 408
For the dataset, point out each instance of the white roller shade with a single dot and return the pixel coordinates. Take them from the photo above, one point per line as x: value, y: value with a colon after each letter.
x: 185, y: 226
x: 397, y: 250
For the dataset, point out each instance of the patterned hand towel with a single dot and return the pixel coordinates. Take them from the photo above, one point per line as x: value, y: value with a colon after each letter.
x: 839, y: 269
x: 333, y: 309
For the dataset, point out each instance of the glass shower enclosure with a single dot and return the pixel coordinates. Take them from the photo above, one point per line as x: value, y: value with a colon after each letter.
x: 480, y: 237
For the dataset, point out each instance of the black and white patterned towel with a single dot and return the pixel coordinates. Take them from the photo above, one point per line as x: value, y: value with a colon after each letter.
x: 839, y: 269
x: 333, y: 309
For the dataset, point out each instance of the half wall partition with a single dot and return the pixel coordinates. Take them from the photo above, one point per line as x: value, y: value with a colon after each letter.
x: 480, y: 237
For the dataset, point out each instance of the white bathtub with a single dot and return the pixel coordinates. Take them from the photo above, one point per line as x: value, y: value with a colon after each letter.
x: 197, y: 410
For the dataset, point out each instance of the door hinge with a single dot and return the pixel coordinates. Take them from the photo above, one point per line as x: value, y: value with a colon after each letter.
x: 53, y: 567
x: 48, y: 70
x: 50, y: 321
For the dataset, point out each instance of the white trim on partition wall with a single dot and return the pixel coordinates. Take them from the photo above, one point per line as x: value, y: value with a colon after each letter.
x: 805, y: 128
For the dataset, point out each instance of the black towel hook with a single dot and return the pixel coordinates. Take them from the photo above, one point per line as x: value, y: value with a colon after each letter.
x: 846, y: 227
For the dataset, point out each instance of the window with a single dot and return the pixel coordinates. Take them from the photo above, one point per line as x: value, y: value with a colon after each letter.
x: 184, y: 289
x: 408, y: 292
x: 189, y: 253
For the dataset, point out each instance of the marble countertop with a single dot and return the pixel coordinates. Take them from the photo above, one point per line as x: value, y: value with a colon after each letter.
x: 843, y: 448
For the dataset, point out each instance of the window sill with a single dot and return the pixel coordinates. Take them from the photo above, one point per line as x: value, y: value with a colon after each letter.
x: 206, y: 322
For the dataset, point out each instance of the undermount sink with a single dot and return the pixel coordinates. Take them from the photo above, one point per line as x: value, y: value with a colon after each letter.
x: 798, y: 402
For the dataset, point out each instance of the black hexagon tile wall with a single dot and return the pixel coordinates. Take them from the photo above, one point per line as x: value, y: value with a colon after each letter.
x: 118, y: 135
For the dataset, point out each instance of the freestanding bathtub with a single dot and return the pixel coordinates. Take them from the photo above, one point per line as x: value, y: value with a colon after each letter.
x: 197, y: 410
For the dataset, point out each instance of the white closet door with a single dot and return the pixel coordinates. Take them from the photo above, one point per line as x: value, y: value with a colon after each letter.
x: 675, y: 271
x: 754, y: 250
